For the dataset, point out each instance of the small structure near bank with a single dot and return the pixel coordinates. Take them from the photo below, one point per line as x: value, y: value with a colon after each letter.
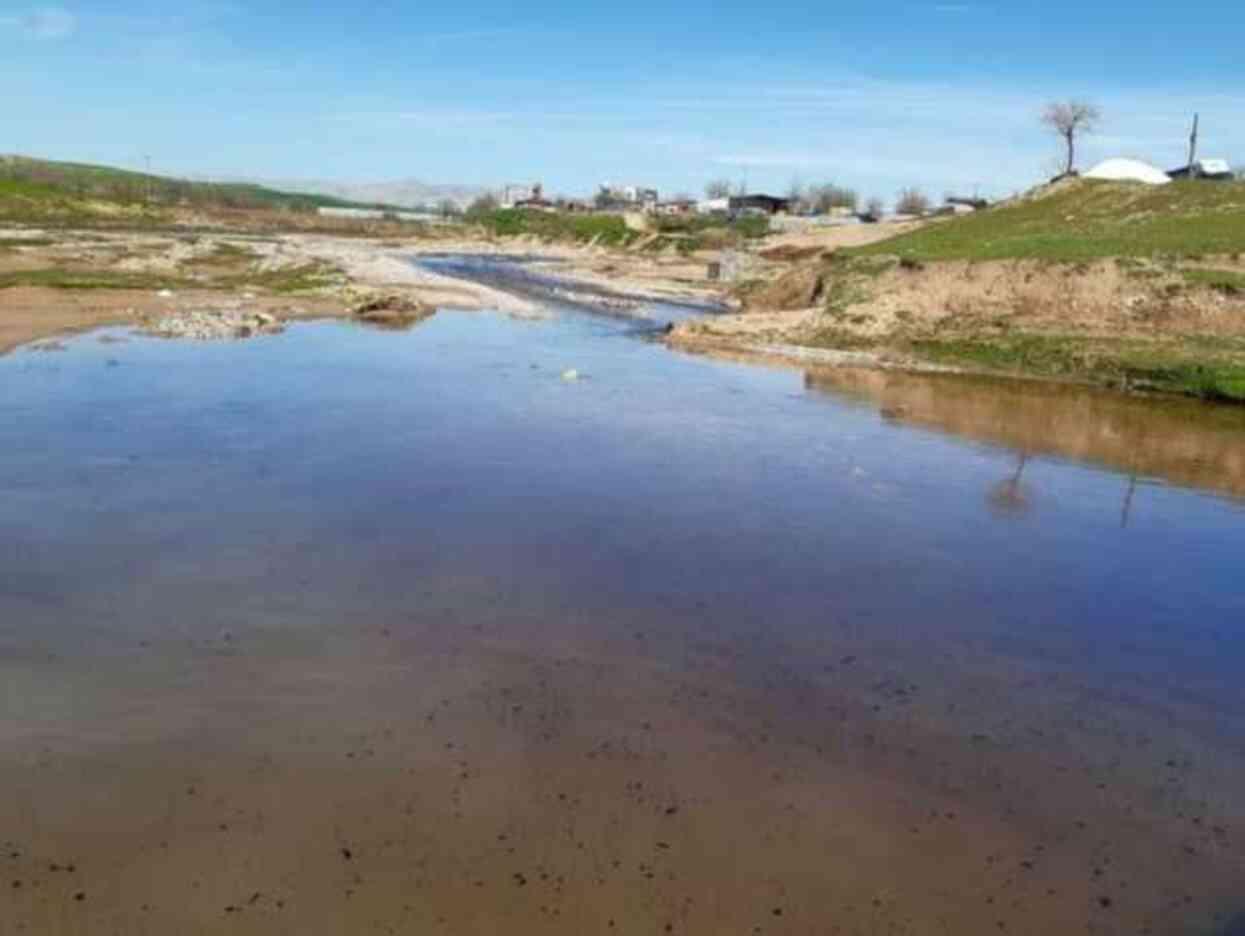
x: 1213, y: 170
x: 725, y: 269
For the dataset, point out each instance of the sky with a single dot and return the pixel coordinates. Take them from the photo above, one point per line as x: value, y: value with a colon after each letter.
x: 943, y: 96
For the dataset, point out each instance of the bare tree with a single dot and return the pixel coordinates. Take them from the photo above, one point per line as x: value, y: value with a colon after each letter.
x: 718, y: 188
x: 1070, y: 119
x: 875, y: 210
x: 912, y: 201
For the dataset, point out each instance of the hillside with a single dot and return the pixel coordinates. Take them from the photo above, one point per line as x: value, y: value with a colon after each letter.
x: 1089, y: 220
x: 1125, y: 285
x: 401, y: 193
x: 44, y: 191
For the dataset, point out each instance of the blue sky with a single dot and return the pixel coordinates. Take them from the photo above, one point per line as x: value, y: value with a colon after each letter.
x: 877, y: 96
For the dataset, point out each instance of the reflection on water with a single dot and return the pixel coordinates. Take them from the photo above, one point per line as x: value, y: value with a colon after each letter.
x: 353, y: 631
x: 1180, y: 441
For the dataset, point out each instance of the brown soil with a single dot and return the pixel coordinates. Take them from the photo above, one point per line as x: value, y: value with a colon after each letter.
x: 29, y: 314
x: 962, y: 299
x: 212, y: 270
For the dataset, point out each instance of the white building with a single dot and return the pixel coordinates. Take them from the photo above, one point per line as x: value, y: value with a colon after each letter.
x: 511, y: 195
x: 637, y: 195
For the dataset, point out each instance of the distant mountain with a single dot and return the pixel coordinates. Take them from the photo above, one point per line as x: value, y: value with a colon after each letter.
x: 403, y: 193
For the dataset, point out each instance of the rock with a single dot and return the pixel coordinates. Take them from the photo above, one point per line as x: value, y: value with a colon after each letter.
x: 392, y: 311
x: 214, y: 324
x: 165, y: 294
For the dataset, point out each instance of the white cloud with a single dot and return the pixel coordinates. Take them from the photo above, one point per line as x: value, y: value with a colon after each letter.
x: 44, y: 23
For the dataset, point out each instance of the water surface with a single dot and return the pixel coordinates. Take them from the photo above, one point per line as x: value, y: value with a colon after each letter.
x: 356, y: 631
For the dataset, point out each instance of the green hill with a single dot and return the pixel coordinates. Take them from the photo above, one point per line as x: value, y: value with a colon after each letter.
x: 43, y: 191
x: 1089, y: 220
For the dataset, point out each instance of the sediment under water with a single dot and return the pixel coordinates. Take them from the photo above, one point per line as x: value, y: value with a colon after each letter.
x: 352, y: 631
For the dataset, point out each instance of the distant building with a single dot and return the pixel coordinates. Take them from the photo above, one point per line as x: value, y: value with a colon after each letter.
x: 511, y: 195
x: 711, y: 206
x: 964, y: 205
x: 1216, y: 170
x: 677, y: 206
x: 627, y: 197
x: 536, y: 200
x: 759, y: 204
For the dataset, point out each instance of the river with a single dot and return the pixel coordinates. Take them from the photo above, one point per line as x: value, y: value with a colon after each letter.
x: 359, y: 631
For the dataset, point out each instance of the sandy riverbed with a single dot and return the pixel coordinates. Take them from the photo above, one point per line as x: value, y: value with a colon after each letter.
x: 218, y: 267
x: 30, y: 311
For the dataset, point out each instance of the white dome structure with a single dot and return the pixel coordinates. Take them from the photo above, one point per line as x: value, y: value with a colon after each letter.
x: 1128, y: 170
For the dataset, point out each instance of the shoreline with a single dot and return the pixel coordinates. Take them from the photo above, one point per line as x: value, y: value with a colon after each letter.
x: 63, y: 282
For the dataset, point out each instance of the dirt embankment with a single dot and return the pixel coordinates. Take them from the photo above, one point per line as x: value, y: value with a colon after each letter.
x: 880, y: 310
x: 904, y: 301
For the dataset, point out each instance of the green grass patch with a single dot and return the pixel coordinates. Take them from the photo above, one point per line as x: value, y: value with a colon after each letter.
x: 93, y: 279
x: 606, y: 229
x: 1085, y: 221
x: 1224, y: 281
x: 309, y: 277
x: 1195, y: 367
x: 842, y: 293
x: 306, y: 278
x: 12, y: 244
x: 835, y: 338
x: 687, y: 234
x: 227, y: 255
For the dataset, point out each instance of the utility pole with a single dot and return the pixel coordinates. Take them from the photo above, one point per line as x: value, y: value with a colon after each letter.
x: 1193, y: 148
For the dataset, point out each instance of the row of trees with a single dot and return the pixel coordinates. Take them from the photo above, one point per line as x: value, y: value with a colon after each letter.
x: 823, y: 198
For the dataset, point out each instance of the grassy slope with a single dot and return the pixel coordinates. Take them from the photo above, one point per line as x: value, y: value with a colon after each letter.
x: 1090, y: 220
x: 42, y: 191
x: 1084, y: 222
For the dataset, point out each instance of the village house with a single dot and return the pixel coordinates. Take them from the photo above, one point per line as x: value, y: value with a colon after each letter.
x: 1214, y: 170
x: 627, y: 197
x: 511, y: 195
x: 536, y: 201
x: 677, y: 206
x: 758, y: 204
x: 713, y: 206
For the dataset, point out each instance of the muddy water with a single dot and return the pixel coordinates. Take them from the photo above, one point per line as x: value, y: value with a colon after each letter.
x: 345, y: 631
